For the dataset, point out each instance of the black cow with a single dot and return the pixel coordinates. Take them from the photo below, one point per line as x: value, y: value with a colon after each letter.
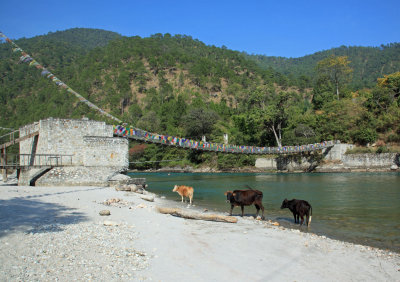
x: 245, y: 198
x: 299, y: 208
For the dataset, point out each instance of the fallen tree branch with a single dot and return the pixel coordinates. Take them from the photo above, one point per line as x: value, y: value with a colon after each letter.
x: 196, y: 215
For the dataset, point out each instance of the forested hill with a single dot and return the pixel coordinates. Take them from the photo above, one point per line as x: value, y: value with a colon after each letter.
x: 61, y: 47
x: 124, y: 75
x: 84, y: 38
x: 179, y: 86
x: 368, y: 63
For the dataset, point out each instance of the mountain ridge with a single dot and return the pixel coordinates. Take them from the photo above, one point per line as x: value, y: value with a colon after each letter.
x: 180, y: 86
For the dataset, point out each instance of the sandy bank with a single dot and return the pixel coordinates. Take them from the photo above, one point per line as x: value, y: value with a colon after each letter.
x: 49, y: 233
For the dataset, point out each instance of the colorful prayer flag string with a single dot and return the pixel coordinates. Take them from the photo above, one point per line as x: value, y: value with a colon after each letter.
x: 26, y: 58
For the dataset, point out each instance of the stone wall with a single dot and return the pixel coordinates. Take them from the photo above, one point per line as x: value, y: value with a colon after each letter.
x: 78, y: 176
x: 88, y: 147
x: 286, y: 163
x: 333, y: 159
x: 266, y: 163
x: 336, y: 152
x: 384, y: 160
x: 64, y: 137
x: 105, y: 151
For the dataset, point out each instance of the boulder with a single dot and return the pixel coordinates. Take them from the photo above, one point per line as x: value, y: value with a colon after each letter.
x: 104, y: 212
x: 133, y: 187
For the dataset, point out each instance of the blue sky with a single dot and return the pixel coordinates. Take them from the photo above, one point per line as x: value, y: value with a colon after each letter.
x: 272, y: 28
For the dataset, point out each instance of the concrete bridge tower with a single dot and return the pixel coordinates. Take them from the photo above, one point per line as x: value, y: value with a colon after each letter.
x: 86, y: 153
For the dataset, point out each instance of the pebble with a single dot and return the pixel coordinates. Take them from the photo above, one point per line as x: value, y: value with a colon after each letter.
x: 104, y: 212
x: 110, y: 223
x: 76, y: 252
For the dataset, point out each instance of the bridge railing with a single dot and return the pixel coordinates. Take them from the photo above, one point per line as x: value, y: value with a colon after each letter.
x: 37, y: 160
x: 9, y: 137
x: 145, y: 136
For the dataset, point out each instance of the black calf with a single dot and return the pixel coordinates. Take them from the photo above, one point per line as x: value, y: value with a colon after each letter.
x: 299, y: 208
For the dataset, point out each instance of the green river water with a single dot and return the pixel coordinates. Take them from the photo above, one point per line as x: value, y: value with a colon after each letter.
x: 362, y: 208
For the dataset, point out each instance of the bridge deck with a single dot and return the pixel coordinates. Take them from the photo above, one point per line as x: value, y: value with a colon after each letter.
x: 144, y: 136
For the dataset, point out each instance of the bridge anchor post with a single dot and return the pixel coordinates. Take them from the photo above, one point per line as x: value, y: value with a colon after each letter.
x: 3, y: 158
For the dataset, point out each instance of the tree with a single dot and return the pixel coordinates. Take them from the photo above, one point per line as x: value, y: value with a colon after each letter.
x: 322, y: 92
x: 387, y: 90
x: 276, y: 114
x: 392, y: 82
x: 149, y: 122
x: 199, y: 122
x: 338, y: 70
x: 339, y: 119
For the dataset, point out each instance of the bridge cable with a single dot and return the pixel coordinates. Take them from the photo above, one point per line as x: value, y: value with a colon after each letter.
x: 26, y: 58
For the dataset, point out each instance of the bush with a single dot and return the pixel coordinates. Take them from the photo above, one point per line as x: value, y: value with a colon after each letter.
x: 393, y: 138
x: 226, y: 161
x: 382, y: 149
x: 359, y: 150
x: 364, y: 136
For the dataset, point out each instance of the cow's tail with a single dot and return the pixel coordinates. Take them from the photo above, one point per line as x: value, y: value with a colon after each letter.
x: 309, y: 222
x: 247, y: 186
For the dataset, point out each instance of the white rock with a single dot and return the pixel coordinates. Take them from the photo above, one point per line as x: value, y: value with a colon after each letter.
x: 149, y: 198
x: 133, y: 187
x: 109, y: 223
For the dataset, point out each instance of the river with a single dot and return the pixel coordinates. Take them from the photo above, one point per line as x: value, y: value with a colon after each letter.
x: 362, y: 208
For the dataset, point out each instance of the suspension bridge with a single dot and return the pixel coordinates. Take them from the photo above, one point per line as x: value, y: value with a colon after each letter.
x: 133, y: 133
x: 149, y: 137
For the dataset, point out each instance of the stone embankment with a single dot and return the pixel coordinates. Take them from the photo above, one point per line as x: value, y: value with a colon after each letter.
x: 331, y: 160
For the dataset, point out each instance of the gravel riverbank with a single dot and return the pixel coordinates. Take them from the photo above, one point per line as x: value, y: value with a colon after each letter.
x: 57, y: 234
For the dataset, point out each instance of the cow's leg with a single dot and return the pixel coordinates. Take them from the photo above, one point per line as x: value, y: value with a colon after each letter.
x: 230, y: 213
x: 258, y: 209
x: 242, y: 207
x: 262, y: 208
x: 307, y: 219
x: 191, y: 200
x: 302, y: 219
x: 182, y: 199
x: 294, y: 215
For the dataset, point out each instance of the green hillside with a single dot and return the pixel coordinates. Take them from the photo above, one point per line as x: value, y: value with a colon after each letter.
x: 177, y: 85
x: 368, y: 63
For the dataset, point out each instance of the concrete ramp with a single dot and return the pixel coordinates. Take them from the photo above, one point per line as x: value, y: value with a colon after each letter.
x: 29, y: 176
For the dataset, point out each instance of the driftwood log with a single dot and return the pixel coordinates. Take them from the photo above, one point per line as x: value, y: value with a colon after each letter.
x: 196, y: 215
x: 149, y: 197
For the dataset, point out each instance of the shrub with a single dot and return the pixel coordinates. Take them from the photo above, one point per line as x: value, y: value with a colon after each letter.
x: 393, y: 138
x: 360, y: 150
x: 364, y: 136
x: 382, y: 149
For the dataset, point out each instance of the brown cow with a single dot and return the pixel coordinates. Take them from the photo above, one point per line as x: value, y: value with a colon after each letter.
x: 184, y: 191
x: 245, y: 198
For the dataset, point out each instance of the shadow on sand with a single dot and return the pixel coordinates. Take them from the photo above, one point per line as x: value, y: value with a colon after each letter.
x: 35, y: 216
